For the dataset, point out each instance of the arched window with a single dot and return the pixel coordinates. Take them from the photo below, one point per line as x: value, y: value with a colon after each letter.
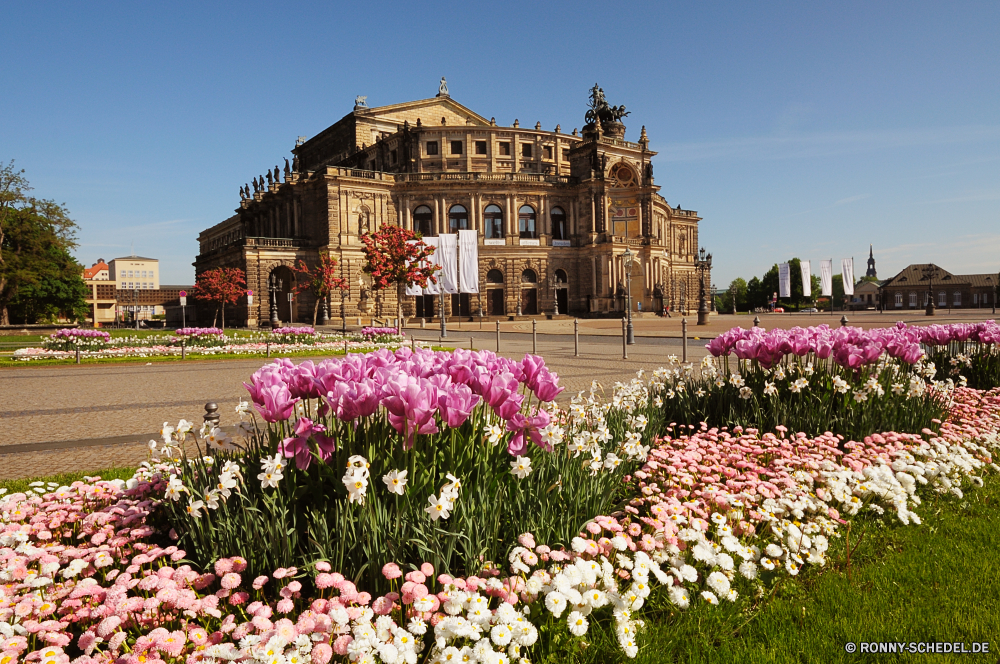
x: 942, y: 299
x: 494, y: 277
x: 423, y: 220
x: 899, y: 299
x: 913, y: 299
x: 958, y: 298
x: 493, y: 216
x: 561, y: 277
x: 458, y: 218
x: 526, y: 222
x: 529, y: 277
x: 559, y: 230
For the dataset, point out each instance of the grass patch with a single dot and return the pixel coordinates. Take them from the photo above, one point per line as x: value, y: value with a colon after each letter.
x: 933, y: 582
x: 120, y: 473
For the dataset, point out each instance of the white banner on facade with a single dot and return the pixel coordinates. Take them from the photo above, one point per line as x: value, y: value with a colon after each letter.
x: 784, y: 280
x: 413, y: 289
x: 847, y: 270
x: 468, y: 261
x: 807, y: 289
x: 432, y: 288
x: 826, y: 277
x: 447, y: 258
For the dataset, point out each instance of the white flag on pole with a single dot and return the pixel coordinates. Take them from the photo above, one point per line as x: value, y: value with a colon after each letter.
x: 826, y: 277
x: 806, y: 267
x: 847, y: 270
x: 435, y: 259
x: 413, y: 289
x: 468, y: 259
x: 784, y: 280
x: 448, y: 260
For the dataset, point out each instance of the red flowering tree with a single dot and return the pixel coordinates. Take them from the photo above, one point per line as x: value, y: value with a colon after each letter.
x: 396, y: 256
x: 320, y: 280
x: 221, y: 286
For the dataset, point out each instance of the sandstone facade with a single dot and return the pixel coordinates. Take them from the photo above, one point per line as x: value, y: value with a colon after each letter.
x: 555, y: 211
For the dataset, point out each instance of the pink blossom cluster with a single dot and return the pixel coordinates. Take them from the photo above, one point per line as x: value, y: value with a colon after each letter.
x: 304, y: 331
x: 987, y: 332
x: 409, y: 388
x: 850, y: 347
x: 368, y: 332
x: 70, y: 334
x: 198, y: 331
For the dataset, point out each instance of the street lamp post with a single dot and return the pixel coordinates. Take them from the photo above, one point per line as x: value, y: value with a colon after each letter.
x: 135, y: 307
x: 929, y: 273
x: 704, y: 263
x: 627, y: 259
x: 274, y: 286
x: 444, y: 325
x: 555, y: 295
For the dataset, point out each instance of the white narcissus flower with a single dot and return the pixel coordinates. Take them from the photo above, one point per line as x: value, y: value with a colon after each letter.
x: 395, y: 481
x: 494, y: 433
x: 175, y: 487
x: 769, y: 388
x: 356, y: 481
x: 194, y: 508
x: 439, y: 508
x: 520, y: 467
x: 270, y: 479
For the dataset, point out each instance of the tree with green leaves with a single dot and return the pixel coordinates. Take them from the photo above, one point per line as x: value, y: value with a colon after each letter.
x: 37, y: 272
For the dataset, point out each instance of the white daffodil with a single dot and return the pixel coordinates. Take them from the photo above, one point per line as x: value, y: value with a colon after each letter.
x: 395, y: 481
x: 194, y: 508
x: 439, y: 508
x: 356, y: 481
x: 520, y: 467
x: 175, y: 487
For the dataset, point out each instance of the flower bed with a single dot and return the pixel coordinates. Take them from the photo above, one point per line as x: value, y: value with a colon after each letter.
x: 382, y: 334
x: 93, y: 571
x: 192, y: 332
x: 294, y: 331
x: 845, y: 380
x: 168, y: 346
x: 73, y: 338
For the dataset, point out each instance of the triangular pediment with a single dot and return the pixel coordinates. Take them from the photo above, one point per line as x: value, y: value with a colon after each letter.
x: 430, y: 111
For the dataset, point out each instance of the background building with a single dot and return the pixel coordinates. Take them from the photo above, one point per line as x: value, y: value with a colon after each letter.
x: 127, y: 288
x: 554, y: 212
x: 136, y: 272
x: 910, y: 289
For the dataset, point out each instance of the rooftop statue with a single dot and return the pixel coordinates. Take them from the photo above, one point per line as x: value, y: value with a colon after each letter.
x: 600, y: 110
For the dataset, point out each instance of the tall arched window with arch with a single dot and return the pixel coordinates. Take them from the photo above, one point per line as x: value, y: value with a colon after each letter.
x: 423, y: 221
x: 526, y: 222
x: 493, y: 219
x: 559, y: 230
x: 458, y: 218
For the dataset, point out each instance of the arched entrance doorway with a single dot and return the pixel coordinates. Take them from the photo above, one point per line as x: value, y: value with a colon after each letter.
x: 280, y: 284
x: 494, y: 293
x: 562, y: 291
x: 529, y: 293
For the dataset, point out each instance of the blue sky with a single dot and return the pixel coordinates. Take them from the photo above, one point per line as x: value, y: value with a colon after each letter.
x: 795, y: 129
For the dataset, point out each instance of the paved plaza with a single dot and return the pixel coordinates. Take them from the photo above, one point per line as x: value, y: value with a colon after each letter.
x: 77, y: 418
